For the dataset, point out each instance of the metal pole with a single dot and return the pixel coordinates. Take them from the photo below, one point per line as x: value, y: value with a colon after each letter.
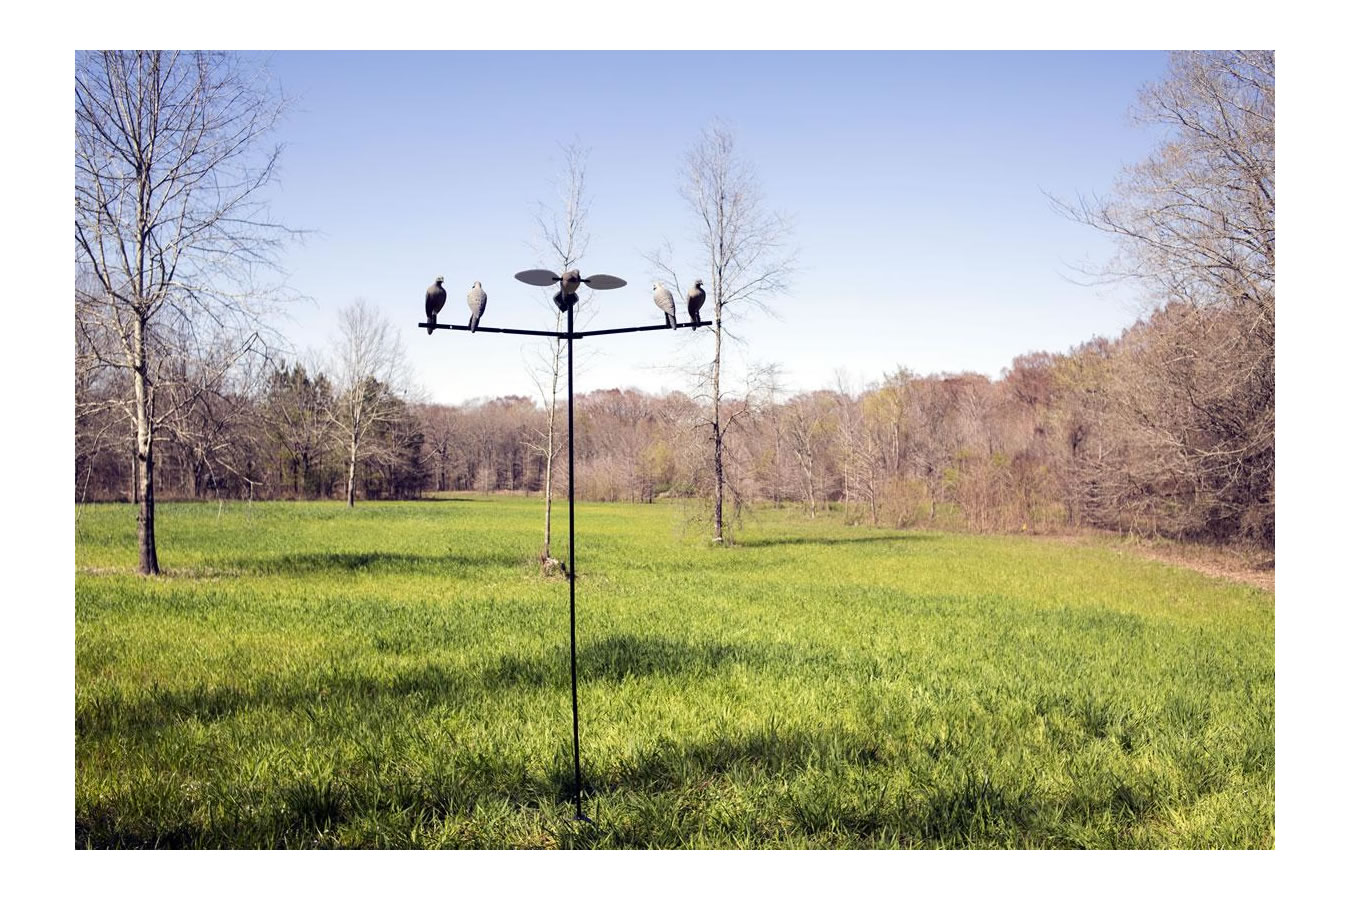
x: 572, y: 571
x: 541, y: 278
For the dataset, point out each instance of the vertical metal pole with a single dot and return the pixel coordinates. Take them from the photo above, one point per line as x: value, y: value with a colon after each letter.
x: 572, y: 571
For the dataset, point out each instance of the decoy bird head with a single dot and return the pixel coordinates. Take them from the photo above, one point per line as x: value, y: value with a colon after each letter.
x: 698, y: 282
x: 440, y: 278
x: 478, y: 284
x: 656, y: 285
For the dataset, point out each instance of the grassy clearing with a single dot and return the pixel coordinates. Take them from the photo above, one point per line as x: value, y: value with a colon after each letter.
x: 396, y: 676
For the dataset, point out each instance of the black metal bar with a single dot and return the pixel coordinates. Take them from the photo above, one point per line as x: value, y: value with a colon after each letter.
x: 555, y: 334
x: 572, y: 571
x: 582, y: 334
x: 562, y: 334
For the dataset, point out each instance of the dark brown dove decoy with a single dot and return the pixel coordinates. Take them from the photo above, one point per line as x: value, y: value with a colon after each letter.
x: 435, y: 302
x: 696, y: 297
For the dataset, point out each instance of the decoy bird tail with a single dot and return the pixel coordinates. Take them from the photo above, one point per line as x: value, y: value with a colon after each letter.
x: 431, y: 322
x: 473, y: 323
x: 670, y: 319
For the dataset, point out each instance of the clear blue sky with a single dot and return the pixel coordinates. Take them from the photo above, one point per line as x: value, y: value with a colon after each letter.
x: 916, y: 180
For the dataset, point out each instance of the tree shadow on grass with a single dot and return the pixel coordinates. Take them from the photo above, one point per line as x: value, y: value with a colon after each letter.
x: 613, y: 659
x: 752, y: 543
x: 762, y: 751
x: 821, y: 787
x: 620, y: 657
x: 305, y: 564
x: 165, y: 707
x: 825, y: 795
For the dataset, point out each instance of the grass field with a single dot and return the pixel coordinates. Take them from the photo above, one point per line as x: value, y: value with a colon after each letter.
x: 397, y: 676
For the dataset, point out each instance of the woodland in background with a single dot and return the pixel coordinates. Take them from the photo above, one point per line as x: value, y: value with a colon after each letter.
x: 1100, y: 436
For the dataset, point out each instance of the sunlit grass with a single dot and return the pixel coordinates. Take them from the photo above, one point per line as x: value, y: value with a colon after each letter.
x: 397, y: 676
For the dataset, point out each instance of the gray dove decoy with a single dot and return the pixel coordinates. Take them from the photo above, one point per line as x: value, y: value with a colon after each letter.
x: 477, y: 303
x: 435, y: 302
x: 665, y: 302
x: 696, y: 297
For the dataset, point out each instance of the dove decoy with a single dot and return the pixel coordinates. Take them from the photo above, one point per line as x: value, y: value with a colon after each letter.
x: 661, y: 296
x: 435, y: 302
x: 477, y: 303
x: 696, y: 297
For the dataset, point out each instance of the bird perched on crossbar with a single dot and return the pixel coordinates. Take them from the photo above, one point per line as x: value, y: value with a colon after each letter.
x: 477, y: 303
x: 661, y: 296
x: 696, y: 297
x: 435, y: 302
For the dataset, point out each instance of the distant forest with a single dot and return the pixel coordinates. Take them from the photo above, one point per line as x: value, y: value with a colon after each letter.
x: 1165, y: 430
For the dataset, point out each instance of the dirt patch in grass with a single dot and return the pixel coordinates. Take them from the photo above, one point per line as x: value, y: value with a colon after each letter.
x: 1254, y: 566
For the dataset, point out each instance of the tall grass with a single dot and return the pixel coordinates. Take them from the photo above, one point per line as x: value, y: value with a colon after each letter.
x: 397, y: 676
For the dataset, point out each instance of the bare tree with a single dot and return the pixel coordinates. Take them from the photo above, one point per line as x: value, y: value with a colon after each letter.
x: 208, y: 416
x: 860, y: 460
x: 444, y: 429
x: 563, y: 235
x: 170, y: 228
x: 296, y: 409
x: 742, y: 253
x: 1195, y: 223
x: 371, y: 385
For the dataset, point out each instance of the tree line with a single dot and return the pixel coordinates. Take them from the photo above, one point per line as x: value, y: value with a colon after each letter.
x: 1091, y: 437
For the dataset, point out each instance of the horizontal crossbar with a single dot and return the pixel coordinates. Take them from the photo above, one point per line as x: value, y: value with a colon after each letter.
x: 562, y: 334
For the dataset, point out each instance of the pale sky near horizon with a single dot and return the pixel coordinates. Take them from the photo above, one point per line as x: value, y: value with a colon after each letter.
x: 917, y: 182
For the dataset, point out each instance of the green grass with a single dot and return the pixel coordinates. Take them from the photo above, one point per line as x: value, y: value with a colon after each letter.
x: 397, y: 676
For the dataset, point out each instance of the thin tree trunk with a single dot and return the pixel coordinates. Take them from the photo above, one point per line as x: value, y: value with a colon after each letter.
x: 777, y: 467
x: 145, y: 518
x: 145, y: 459
x: 351, y: 474
x: 848, y: 455
x: 810, y: 485
x: 551, y: 451
x: 718, y: 472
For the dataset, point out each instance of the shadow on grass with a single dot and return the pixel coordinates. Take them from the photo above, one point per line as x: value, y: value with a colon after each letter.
x: 763, y: 751
x: 826, y: 793
x: 619, y: 657
x: 612, y: 659
x: 832, y: 541
x: 302, y: 564
x: 822, y: 786
x: 826, y: 788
